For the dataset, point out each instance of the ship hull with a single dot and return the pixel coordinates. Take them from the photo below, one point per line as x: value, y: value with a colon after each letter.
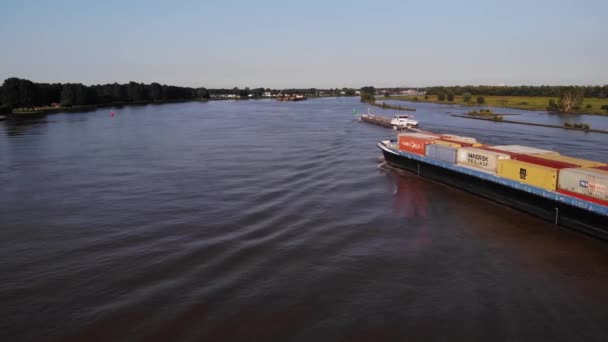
x: 562, y: 214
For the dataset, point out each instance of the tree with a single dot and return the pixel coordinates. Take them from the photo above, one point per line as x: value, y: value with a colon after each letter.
x: 570, y: 99
x: 202, y: 93
x: 450, y: 97
x: 605, y: 107
x: 27, y: 93
x: 156, y: 91
x: 367, y: 94
x: 67, y: 95
x: 10, y: 92
x: 481, y: 100
x: 552, y: 106
x: 467, y: 97
x: 441, y: 97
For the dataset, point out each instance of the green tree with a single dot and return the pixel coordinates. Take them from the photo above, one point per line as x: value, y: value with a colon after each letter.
x: 450, y: 97
x: 10, y: 92
x: 467, y: 97
x: 202, y: 93
x: 368, y: 94
x: 552, y: 106
x: 481, y: 100
x: 67, y: 95
x: 156, y: 92
x: 441, y: 96
x: 27, y: 93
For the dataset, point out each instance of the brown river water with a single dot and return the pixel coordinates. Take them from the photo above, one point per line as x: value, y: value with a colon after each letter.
x: 260, y: 220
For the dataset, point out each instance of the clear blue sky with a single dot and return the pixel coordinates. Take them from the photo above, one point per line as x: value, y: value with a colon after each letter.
x: 305, y: 43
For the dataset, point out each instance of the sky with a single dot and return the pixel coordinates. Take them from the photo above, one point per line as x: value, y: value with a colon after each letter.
x: 324, y: 44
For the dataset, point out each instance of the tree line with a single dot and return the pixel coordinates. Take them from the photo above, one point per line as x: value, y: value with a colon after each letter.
x: 23, y: 93
x: 544, y: 90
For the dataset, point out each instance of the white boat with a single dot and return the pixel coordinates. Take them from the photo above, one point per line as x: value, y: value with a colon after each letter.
x: 401, y: 121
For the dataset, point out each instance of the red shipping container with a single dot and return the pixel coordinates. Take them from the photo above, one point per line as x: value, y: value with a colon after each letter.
x: 583, y: 197
x: 413, y: 144
x: 603, y: 168
x: 544, y: 162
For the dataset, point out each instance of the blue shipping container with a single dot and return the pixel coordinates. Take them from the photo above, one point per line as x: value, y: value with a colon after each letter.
x: 440, y: 152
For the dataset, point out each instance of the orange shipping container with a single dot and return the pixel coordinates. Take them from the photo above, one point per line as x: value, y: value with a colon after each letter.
x: 412, y: 144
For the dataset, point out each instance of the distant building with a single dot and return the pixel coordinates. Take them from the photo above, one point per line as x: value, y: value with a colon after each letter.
x: 412, y: 92
x: 267, y: 94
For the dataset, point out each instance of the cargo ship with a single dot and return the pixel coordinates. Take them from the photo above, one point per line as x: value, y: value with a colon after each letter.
x: 566, y: 191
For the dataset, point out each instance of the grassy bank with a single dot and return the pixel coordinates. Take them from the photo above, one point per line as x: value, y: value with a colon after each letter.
x: 517, y: 102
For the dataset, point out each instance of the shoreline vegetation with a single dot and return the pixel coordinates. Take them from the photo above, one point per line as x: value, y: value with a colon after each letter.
x: 389, y: 106
x: 22, y: 98
x: 576, y: 127
x: 590, y: 105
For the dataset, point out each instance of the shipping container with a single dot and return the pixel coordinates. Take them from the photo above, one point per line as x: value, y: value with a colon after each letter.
x: 570, y: 160
x: 441, y: 152
x: 534, y: 159
x: 583, y: 197
x: 413, y: 144
x: 585, y: 181
x: 604, y: 168
x: 491, y: 148
x: 528, y: 173
x: 420, y: 135
x: 522, y: 149
x: 462, y: 143
x: 446, y: 143
x: 459, y: 138
x: 480, y: 158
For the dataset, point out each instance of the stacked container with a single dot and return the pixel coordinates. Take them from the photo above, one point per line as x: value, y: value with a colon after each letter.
x: 576, y: 162
x: 462, y: 141
x: 480, y: 158
x: 587, y: 183
x: 414, y: 142
x: 458, y: 138
x: 522, y: 149
x: 541, y: 176
x: 441, y: 152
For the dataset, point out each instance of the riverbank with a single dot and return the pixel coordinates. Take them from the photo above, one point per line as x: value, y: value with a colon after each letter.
x: 536, y: 103
x: 530, y: 123
x: 41, y: 111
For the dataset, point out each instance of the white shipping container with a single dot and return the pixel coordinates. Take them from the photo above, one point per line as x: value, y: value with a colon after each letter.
x: 487, y: 160
x: 584, y: 181
x: 459, y: 138
x: 419, y: 135
x: 522, y: 149
x: 441, y: 152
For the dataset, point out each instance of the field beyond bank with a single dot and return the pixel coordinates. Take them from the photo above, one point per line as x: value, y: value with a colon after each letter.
x: 516, y: 102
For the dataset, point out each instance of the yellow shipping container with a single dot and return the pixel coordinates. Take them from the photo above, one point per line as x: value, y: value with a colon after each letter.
x: 570, y: 160
x: 446, y: 143
x: 528, y: 173
x: 477, y: 144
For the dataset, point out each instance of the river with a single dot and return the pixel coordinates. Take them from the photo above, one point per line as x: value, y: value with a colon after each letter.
x: 264, y: 220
